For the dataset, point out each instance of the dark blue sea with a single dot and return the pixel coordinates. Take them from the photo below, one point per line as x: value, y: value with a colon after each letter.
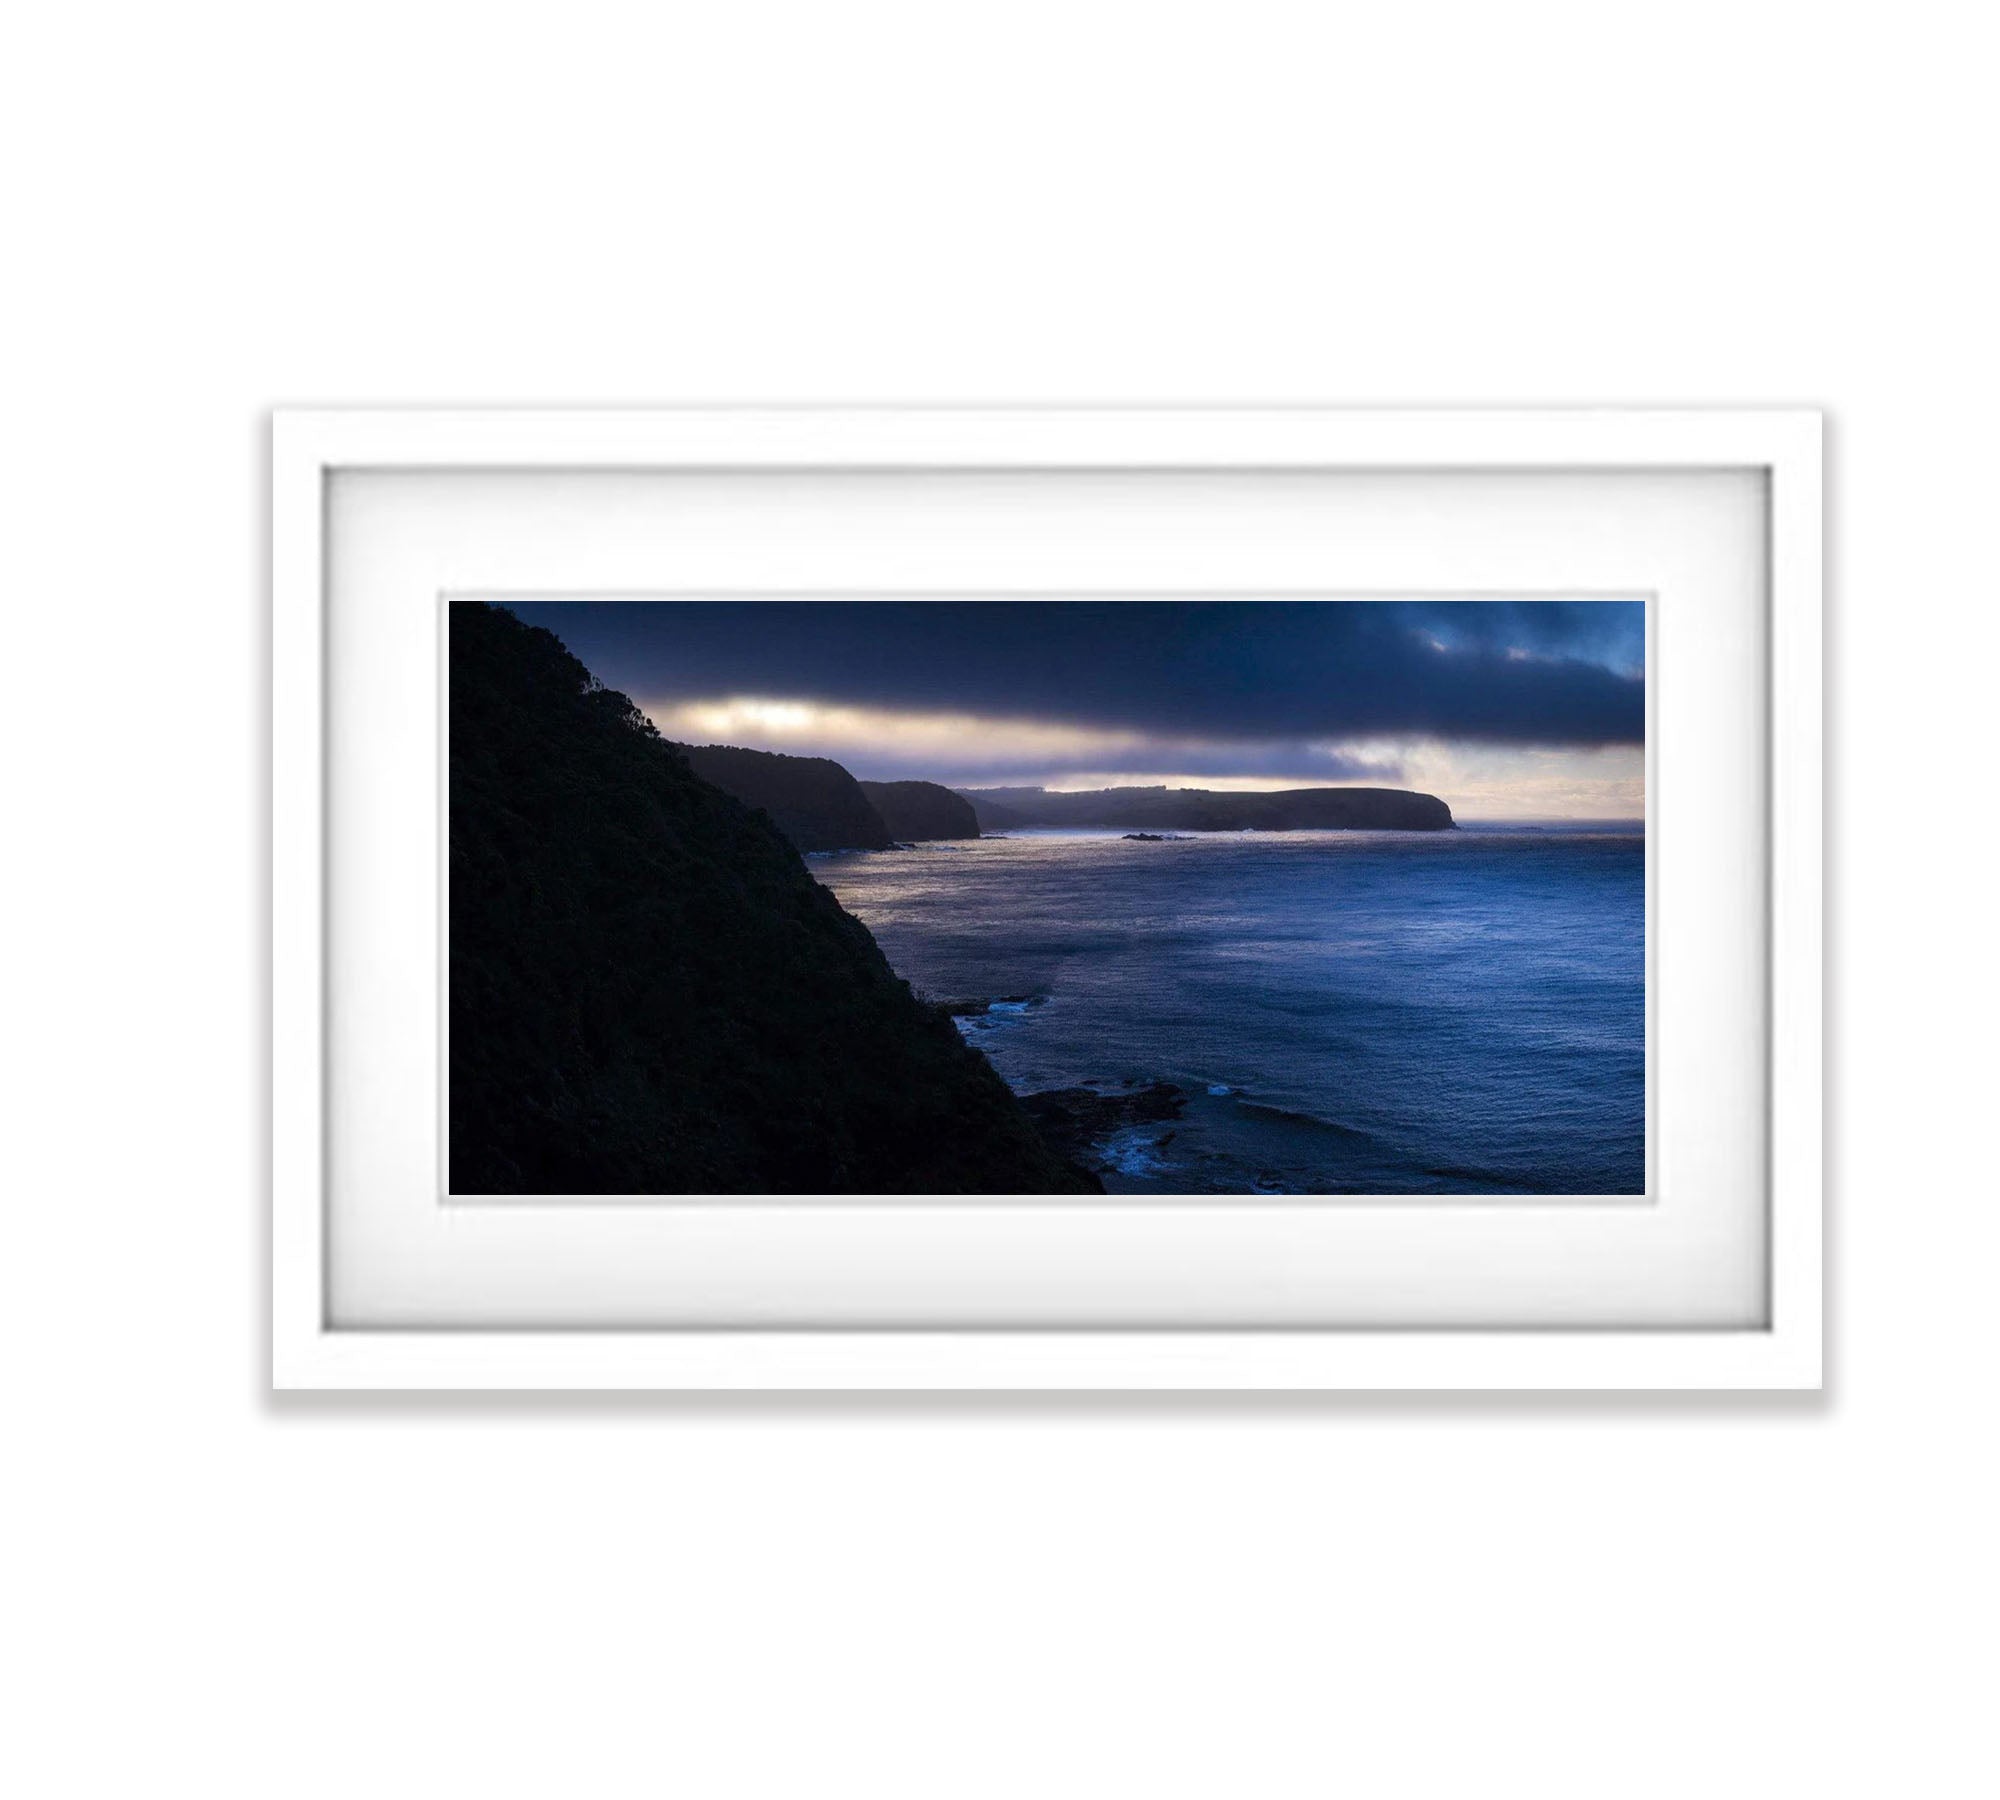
x: 1457, y: 1012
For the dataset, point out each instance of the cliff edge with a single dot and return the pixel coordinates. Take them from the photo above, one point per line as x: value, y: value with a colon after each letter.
x: 649, y: 991
x: 812, y: 799
x: 921, y: 811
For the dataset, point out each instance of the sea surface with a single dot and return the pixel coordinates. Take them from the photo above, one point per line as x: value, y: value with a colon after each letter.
x: 1456, y: 1012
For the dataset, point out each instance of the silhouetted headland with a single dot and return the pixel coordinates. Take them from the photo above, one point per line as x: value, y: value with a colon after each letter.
x: 1207, y: 809
x: 812, y: 799
x: 921, y: 811
x: 649, y: 991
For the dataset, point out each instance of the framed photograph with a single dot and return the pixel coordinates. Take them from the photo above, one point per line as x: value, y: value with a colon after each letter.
x: 1046, y: 900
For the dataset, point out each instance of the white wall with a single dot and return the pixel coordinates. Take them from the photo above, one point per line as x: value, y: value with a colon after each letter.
x: 214, y: 208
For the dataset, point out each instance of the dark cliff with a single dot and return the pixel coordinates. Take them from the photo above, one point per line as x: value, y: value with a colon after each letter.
x: 992, y: 816
x: 649, y: 991
x: 916, y: 811
x: 814, y: 801
x: 1206, y: 809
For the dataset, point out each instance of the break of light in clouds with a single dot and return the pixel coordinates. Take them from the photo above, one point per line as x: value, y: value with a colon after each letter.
x: 1504, y: 709
x: 967, y: 750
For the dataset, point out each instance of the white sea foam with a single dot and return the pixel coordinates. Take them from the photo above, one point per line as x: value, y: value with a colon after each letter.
x: 1134, y: 1151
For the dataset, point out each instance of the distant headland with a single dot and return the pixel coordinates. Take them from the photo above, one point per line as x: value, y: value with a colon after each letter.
x: 1208, y: 809
x: 921, y: 811
x: 819, y: 806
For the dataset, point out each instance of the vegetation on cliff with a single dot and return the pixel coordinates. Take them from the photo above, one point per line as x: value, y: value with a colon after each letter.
x: 921, y: 811
x: 649, y: 991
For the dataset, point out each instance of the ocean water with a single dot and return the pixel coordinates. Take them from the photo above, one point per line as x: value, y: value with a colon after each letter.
x: 1457, y: 1012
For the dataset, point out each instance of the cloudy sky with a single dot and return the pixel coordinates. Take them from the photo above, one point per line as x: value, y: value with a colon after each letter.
x: 1504, y: 709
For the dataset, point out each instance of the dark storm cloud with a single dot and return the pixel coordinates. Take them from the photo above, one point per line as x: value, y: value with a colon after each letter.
x: 1550, y: 673
x: 1608, y: 632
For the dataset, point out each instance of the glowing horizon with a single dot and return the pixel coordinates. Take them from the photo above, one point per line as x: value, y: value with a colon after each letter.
x: 1503, y: 709
x: 970, y: 750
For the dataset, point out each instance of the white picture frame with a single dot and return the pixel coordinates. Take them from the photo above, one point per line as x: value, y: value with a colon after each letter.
x: 315, y: 1345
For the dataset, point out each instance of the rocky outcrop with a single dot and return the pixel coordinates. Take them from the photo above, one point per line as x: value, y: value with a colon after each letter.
x: 811, y: 799
x: 1074, y: 1121
x: 921, y: 811
x: 649, y: 993
x: 1205, y: 809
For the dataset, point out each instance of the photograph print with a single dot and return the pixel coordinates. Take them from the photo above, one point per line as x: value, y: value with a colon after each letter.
x: 1263, y: 898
